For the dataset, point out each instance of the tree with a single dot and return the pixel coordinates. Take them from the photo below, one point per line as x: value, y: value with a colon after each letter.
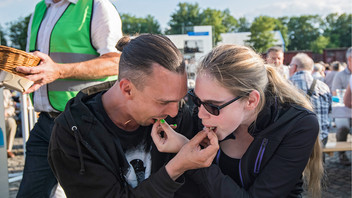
x: 319, y: 44
x: 2, y: 36
x: 302, y: 31
x: 132, y: 25
x: 221, y: 21
x: 18, y: 32
x: 187, y: 15
x: 230, y: 23
x: 338, y: 29
x: 243, y: 25
x: 281, y: 25
x: 262, y: 36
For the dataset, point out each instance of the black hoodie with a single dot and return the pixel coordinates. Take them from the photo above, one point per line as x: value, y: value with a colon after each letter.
x: 88, y: 160
x: 284, y: 137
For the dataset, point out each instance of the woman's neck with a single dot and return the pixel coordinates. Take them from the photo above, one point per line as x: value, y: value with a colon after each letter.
x: 235, y: 148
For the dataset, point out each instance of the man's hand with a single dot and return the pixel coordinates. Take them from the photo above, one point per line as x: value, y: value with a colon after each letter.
x: 46, y: 72
x: 166, y: 139
x: 192, y: 156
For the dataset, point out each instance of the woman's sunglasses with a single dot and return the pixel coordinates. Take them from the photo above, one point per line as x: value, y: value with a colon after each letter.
x: 212, y: 109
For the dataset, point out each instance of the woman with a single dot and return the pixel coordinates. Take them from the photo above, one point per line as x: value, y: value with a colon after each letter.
x: 266, y: 128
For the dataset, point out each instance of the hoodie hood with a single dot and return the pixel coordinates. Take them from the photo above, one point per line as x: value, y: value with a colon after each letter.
x: 275, y: 116
x: 87, y: 132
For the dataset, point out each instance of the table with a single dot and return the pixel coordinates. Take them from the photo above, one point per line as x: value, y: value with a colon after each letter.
x: 340, y: 111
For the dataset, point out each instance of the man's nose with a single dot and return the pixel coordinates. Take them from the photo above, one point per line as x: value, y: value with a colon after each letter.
x: 172, y: 109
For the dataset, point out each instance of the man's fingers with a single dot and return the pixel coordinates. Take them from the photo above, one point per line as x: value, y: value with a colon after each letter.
x: 213, y: 139
x: 41, y: 55
x: 198, y: 138
x: 33, y: 88
x: 28, y: 70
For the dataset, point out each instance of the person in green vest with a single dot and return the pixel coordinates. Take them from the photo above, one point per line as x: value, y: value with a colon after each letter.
x: 75, y: 40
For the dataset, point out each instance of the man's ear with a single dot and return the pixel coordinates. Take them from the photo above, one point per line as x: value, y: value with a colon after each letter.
x: 253, y: 100
x: 126, y: 88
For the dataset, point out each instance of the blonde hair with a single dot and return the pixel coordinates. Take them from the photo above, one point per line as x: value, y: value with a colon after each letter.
x: 241, y: 70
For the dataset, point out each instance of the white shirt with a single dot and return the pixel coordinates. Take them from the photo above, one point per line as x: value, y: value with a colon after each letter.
x: 106, y: 30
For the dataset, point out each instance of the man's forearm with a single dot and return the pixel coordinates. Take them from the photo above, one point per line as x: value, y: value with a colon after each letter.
x: 103, y: 66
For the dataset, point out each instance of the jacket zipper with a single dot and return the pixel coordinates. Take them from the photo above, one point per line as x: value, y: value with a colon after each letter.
x: 258, y: 161
x: 239, y: 167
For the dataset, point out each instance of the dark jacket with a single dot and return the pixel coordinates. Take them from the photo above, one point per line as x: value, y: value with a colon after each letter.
x: 88, y: 160
x: 272, y: 166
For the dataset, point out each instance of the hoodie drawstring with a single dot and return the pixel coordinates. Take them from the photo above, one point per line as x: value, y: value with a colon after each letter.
x: 78, y: 138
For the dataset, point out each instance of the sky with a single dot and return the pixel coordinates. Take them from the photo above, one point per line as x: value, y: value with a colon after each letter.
x: 11, y: 10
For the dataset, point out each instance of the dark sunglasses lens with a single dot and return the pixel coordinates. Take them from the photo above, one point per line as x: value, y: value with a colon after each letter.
x: 211, y: 109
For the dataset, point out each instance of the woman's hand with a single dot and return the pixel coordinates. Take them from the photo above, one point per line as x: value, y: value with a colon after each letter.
x: 166, y: 139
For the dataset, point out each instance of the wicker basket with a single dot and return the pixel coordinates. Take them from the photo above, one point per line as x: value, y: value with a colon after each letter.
x: 10, y: 58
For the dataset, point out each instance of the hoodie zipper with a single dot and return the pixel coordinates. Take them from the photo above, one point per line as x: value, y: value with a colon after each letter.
x: 258, y: 161
x: 74, y: 129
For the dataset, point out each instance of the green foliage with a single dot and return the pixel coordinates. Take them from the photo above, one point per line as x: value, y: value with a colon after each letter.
x: 262, y: 36
x: 319, y: 44
x: 18, y: 32
x: 302, y: 31
x: 2, y: 36
x: 243, y: 25
x: 281, y: 25
x: 220, y: 21
x: 187, y: 15
x: 230, y: 23
x: 133, y: 25
x: 338, y: 28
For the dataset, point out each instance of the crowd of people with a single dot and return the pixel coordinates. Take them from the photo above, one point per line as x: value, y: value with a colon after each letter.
x: 113, y: 121
x: 321, y: 82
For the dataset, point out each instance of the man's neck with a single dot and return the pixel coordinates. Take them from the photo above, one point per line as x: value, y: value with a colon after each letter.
x: 115, y: 107
x: 56, y: 1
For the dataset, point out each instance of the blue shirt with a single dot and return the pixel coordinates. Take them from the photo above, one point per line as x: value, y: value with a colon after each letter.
x: 321, y: 98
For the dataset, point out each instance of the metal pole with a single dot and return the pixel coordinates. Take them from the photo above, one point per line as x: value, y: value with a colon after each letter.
x: 24, y: 121
x: 4, y: 185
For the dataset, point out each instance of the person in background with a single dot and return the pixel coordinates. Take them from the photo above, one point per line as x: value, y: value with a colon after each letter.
x: 101, y: 144
x: 347, y: 99
x: 341, y: 81
x: 10, y: 122
x: 341, y: 78
x: 318, y: 71
x: 75, y: 40
x: 266, y: 129
x: 301, y: 70
x: 275, y: 57
x: 336, y: 67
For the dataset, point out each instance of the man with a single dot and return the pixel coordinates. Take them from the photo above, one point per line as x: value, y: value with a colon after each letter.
x: 301, y: 67
x: 341, y: 78
x: 101, y: 144
x: 275, y: 57
x: 336, y: 66
x: 76, y: 40
x: 10, y: 122
x: 341, y: 81
x: 318, y: 71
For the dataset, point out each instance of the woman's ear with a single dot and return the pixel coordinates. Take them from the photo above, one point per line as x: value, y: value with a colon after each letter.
x: 253, y: 100
x: 126, y: 88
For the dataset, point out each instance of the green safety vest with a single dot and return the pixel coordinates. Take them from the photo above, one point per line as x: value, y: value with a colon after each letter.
x: 70, y: 42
